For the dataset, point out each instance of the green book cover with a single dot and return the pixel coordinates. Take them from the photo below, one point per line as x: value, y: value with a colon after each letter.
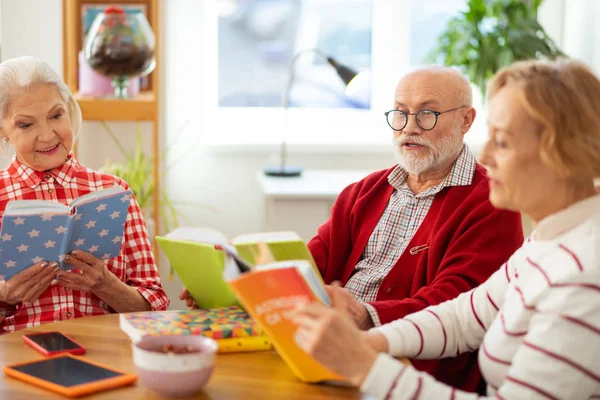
x: 192, y: 254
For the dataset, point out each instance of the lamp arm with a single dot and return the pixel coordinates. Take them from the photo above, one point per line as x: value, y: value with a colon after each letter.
x: 288, y: 91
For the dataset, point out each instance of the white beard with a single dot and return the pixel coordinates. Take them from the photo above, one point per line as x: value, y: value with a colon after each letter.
x: 446, y: 147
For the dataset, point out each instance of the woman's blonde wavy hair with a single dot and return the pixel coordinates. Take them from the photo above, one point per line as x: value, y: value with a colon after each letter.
x: 563, y: 97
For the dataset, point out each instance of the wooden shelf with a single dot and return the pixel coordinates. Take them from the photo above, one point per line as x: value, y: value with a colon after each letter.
x: 143, y: 107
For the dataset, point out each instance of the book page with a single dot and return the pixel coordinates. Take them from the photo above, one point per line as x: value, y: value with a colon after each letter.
x: 266, y: 237
x: 28, y: 207
x: 195, y: 234
x: 97, y: 195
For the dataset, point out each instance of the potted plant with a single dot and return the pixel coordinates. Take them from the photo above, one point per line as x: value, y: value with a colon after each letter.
x: 490, y: 35
x: 136, y: 170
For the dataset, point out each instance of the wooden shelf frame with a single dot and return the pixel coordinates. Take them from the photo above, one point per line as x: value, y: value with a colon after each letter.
x: 144, y: 107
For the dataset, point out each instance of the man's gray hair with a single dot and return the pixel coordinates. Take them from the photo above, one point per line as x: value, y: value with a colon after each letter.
x: 462, y: 84
x: 22, y: 73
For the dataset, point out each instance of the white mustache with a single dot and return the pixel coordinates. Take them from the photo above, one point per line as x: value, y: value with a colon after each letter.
x: 399, y: 141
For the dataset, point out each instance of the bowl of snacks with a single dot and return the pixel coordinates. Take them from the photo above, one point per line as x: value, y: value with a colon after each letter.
x: 175, y: 366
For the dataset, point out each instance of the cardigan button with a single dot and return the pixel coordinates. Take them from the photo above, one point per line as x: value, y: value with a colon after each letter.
x: 388, y: 290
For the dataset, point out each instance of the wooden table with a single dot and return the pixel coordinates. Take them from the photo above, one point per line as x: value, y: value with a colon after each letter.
x: 258, y: 375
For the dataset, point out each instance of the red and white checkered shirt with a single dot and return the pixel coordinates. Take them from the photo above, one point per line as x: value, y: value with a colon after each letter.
x: 398, y: 224
x: 134, y: 265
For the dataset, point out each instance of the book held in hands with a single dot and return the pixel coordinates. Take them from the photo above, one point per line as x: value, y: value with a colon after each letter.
x: 270, y: 293
x: 192, y: 254
x: 39, y: 230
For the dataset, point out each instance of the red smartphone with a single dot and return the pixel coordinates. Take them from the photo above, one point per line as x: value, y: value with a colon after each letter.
x: 52, y: 343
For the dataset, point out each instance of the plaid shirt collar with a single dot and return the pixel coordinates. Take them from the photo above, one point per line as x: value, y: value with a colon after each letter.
x: 32, y: 178
x: 461, y: 174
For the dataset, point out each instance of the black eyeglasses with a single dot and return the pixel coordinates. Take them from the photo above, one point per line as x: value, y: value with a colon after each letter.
x: 426, y: 119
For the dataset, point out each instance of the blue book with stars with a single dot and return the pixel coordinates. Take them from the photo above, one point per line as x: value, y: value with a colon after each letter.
x: 40, y: 230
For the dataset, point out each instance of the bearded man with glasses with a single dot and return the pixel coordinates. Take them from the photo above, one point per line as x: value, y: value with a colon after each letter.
x: 422, y: 232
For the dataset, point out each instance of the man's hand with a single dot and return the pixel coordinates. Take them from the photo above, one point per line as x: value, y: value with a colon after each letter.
x: 29, y: 284
x: 90, y: 274
x: 187, y: 297
x: 342, y: 300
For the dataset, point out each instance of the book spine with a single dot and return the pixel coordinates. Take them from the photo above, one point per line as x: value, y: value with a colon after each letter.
x: 70, y: 222
x: 238, y: 345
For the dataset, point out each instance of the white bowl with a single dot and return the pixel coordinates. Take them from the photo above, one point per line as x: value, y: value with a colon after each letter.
x: 172, y: 374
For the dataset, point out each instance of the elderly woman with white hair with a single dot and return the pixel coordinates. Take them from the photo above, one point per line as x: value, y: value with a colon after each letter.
x: 39, y: 119
x: 536, y: 321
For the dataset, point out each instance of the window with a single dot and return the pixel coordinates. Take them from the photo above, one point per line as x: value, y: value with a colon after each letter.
x: 427, y: 20
x: 248, y: 46
x: 257, y: 40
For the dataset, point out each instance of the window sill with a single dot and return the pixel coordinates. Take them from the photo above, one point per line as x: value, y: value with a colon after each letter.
x: 374, y: 148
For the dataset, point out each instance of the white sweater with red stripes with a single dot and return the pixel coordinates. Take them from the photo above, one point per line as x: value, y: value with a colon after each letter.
x: 536, y: 322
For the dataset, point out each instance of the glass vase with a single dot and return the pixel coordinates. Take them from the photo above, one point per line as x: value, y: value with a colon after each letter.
x: 120, y: 46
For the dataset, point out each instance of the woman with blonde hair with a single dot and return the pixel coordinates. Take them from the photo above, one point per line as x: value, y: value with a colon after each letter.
x: 536, y: 321
x: 39, y: 119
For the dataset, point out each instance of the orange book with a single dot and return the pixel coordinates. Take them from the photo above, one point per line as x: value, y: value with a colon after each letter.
x: 270, y: 293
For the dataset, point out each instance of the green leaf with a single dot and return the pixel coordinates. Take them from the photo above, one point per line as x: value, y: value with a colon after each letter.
x: 492, y: 34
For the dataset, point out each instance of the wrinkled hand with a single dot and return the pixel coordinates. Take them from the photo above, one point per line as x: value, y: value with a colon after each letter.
x: 334, y: 340
x: 91, y: 273
x: 29, y: 284
x: 342, y: 300
x: 187, y: 297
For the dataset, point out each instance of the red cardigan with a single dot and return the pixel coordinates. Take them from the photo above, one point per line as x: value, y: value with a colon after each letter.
x: 468, y: 240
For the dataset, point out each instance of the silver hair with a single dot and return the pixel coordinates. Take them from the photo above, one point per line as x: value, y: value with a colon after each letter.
x: 22, y: 73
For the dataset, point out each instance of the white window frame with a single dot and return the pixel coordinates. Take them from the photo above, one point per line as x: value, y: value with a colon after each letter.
x: 247, y: 129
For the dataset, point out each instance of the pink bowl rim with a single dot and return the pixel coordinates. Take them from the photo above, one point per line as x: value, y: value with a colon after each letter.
x: 207, y: 345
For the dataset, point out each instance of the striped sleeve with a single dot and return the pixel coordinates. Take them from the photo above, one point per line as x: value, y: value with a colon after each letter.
x: 558, y: 357
x: 450, y: 328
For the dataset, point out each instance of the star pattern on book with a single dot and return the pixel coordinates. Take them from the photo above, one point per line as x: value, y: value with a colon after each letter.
x: 37, y: 259
x: 46, y: 217
x: 34, y: 233
x: 96, y: 226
